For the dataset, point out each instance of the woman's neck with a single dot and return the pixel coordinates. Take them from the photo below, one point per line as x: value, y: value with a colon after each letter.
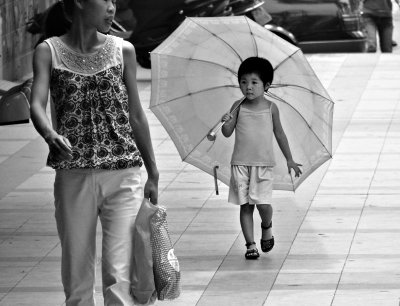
x: 83, y: 40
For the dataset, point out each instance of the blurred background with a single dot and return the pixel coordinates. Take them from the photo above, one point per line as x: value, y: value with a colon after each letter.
x: 316, y: 26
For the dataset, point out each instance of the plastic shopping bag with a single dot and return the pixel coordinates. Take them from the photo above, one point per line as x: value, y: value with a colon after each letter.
x: 142, y: 277
x: 167, y: 275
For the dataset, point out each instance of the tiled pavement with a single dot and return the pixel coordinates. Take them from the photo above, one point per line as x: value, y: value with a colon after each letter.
x: 337, y: 237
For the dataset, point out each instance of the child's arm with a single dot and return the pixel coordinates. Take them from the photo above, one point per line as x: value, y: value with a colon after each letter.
x: 230, y: 120
x: 283, y: 142
x: 139, y: 124
x: 58, y: 145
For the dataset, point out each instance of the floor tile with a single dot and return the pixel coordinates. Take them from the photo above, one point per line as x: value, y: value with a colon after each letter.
x: 322, y: 243
x: 34, y: 298
x: 367, y: 297
x: 313, y: 264
x: 298, y: 297
x: 371, y: 263
x: 376, y: 243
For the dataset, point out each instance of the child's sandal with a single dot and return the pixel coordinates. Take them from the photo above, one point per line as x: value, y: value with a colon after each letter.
x: 267, y: 245
x: 251, y: 253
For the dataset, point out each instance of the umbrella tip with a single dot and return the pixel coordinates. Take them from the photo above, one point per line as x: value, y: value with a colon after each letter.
x: 216, y: 179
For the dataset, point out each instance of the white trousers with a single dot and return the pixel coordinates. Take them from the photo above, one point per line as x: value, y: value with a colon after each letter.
x: 82, y: 196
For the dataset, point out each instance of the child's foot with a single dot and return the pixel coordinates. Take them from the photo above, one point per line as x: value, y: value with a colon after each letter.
x: 267, y: 240
x: 252, y: 252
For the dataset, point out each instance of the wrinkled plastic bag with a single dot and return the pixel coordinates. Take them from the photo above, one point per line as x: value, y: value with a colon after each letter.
x: 143, y: 288
x: 167, y: 274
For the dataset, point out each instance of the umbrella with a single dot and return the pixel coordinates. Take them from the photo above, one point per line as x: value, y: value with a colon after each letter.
x: 194, y: 82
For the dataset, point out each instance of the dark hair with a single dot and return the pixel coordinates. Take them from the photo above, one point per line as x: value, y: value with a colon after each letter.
x: 258, y: 65
x: 51, y: 22
x: 57, y: 22
x: 68, y: 6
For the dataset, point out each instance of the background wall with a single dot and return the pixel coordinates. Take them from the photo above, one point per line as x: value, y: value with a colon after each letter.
x: 17, y: 45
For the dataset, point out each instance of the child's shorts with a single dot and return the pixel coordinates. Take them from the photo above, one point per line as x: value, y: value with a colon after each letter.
x: 250, y: 184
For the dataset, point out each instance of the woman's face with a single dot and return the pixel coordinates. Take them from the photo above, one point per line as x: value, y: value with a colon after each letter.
x: 99, y: 13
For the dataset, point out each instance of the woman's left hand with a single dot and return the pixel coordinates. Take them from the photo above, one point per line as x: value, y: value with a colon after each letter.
x: 151, y: 190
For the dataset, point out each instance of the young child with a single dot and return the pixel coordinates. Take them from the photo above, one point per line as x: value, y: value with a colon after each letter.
x: 255, y: 120
x: 99, y: 140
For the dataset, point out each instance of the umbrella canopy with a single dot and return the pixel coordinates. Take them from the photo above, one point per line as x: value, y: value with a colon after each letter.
x: 194, y: 82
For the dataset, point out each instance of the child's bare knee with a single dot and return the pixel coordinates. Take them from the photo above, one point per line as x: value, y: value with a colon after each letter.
x: 247, y: 208
x: 264, y: 208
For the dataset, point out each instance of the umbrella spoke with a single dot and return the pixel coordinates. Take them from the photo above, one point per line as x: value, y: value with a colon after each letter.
x: 305, y: 121
x: 287, y: 59
x: 218, y: 38
x: 192, y: 59
x: 302, y: 87
x: 253, y: 37
x: 274, y: 96
x: 193, y: 94
x: 196, y: 146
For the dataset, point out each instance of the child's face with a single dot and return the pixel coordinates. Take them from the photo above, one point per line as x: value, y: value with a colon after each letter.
x: 251, y: 86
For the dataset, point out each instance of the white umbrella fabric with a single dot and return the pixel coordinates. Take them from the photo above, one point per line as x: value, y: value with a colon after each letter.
x: 194, y: 82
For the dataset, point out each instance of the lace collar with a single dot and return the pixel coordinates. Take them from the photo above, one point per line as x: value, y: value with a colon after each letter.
x: 86, y: 63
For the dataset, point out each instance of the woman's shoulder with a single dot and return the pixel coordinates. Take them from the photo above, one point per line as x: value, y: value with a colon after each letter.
x: 126, y: 45
x: 51, y: 40
x: 42, y: 57
x: 128, y: 51
x: 43, y: 49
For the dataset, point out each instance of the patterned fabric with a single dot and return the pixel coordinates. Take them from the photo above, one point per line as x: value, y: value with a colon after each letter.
x: 87, y: 63
x: 91, y: 107
x: 167, y: 275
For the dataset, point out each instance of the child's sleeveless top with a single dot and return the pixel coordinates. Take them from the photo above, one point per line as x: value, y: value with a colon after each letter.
x: 253, y: 139
x: 91, y: 107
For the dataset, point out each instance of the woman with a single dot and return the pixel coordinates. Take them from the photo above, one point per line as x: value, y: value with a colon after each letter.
x: 98, y: 142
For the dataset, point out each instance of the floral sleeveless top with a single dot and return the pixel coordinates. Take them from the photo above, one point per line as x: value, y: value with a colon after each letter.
x: 91, y: 109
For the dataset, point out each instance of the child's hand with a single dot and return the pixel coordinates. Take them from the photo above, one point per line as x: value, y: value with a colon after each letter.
x: 295, y: 166
x: 226, y: 117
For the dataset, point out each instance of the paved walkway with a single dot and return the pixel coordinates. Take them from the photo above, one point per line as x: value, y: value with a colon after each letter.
x: 337, y: 237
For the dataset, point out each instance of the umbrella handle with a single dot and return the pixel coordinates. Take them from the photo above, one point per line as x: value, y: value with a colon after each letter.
x: 212, y: 135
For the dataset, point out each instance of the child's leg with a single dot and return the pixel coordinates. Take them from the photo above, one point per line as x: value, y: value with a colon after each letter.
x: 265, y: 211
x: 246, y: 222
x: 267, y: 239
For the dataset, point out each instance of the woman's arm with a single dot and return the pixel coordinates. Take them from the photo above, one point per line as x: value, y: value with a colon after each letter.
x: 59, y: 145
x: 282, y: 141
x: 139, y: 123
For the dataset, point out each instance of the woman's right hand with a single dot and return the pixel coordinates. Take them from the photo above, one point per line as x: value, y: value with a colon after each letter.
x: 60, y: 147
